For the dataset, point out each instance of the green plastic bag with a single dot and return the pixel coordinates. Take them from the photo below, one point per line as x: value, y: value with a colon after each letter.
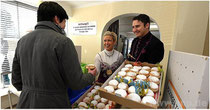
x: 83, y: 66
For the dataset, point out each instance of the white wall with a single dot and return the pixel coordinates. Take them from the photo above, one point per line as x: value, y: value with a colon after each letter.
x: 191, y: 26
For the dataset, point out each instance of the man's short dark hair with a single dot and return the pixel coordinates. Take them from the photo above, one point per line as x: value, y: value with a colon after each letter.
x: 48, y: 10
x: 143, y: 18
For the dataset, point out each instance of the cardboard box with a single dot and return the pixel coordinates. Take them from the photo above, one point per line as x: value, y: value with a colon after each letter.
x: 85, y: 94
x: 126, y: 102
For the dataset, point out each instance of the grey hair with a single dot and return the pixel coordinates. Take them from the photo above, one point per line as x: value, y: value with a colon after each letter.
x: 112, y: 34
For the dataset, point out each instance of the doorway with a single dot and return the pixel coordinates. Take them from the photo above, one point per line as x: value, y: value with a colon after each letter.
x: 122, y: 26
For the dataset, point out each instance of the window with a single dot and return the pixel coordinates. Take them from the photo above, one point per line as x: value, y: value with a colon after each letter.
x: 27, y: 20
x: 17, y: 19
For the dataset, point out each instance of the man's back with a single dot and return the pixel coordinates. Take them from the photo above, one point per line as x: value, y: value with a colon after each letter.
x: 45, y: 64
x: 39, y: 59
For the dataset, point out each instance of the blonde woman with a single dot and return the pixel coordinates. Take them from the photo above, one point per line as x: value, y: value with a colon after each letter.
x: 108, y: 60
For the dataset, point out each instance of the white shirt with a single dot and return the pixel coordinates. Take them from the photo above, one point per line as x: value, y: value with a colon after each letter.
x: 109, y: 57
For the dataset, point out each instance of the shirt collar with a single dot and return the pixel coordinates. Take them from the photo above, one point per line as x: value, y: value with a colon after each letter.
x: 49, y: 25
x: 146, y: 37
x: 109, y: 52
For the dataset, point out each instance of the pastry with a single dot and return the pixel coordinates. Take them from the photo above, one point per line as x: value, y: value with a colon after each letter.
x: 145, y: 68
x: 91, y: 66
x: 94, y: 103
x: 144, y: 72
x: 141, y: 77
x: 108, y: 106
x: 149, y: 92
x: 90, y: 94
x: 97, y: 98
x: 122, y: 85
x: 121, y: 92
x: 134, y: 97
x: 128, y: 78
x: 111, y: 103
x: 153, y: 86
x: 125, y: 69
x: 137, y: 67
x: 109, y: 89
x: 96, y: 87
x: 103, y: 100
x: 138, y: 80
x: 154, y: 69
x: 153, y: 79
x: 128, y: 66
x: 134, y: 70
x: 82, y: 105
x: 94, y: 91
x: 131, y: 74
x: 149, y: 99
x: 131, y: 89
x: 100, y: 105
x: 122, y: 73
x: 86, y: 100
x: 113, y: 83
x: 155, y: 73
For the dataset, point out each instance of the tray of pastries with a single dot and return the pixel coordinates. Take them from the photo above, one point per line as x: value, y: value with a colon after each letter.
x: 134, y: 85
x: 91, y: 100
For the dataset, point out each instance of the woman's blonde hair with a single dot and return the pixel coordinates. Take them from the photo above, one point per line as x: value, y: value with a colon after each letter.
x: 112, y: 34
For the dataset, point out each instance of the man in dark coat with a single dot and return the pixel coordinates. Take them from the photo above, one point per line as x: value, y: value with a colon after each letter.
x: 46, y: 63
x: 145, y: 47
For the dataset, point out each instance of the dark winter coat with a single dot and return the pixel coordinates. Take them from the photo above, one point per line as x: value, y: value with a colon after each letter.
x: 44, y: 66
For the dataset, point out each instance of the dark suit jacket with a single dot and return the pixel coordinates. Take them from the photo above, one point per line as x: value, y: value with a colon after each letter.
x: 152, y: 52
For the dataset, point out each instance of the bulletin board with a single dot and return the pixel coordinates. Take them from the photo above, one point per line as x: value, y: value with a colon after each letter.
x: 187, y: 82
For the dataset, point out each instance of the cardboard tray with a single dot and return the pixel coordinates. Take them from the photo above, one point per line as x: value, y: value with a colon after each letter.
x: 83, y: 96
x: 126, y: 102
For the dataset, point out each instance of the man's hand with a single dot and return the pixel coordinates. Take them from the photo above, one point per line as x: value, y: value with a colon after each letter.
x: 92, y: 71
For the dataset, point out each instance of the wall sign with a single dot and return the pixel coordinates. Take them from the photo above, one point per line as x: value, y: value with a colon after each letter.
x: 83, y: 28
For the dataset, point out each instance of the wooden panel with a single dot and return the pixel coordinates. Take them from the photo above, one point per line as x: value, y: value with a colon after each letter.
x: 123, y: 101
x: 5, y: 101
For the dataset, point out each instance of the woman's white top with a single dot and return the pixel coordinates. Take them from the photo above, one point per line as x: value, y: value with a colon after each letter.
x: 109, y: 57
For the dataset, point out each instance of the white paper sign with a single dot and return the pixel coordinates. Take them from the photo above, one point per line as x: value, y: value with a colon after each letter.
x: 83, y: 28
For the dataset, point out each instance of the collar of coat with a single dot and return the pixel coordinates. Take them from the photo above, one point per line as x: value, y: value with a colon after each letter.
x: 49, y: 25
